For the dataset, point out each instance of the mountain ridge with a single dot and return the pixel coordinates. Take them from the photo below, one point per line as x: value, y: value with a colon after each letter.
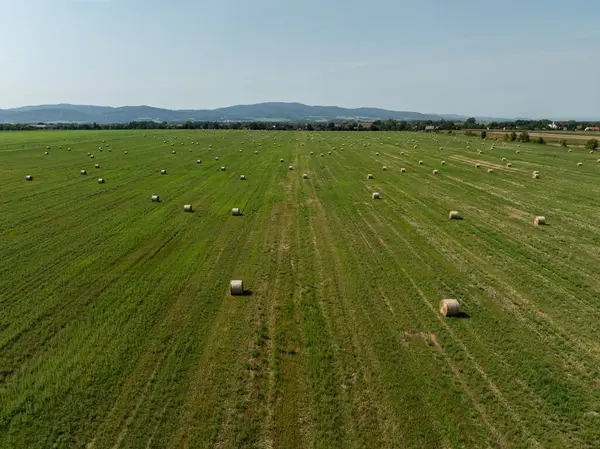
x: 269, y: 111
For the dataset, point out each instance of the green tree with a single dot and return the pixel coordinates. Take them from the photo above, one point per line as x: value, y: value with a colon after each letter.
x: 563, y: 143
x: 592, y: 144
x: 513, y: 136
x: 483, y: 134
x: 470, y: 123
x: 540, y: 140
x: 524, y: 137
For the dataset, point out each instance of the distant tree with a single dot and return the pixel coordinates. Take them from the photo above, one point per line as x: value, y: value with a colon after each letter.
x: 563, y: 143
x: 592, y: 144
x: 470, y: 123
x: 483, y: 134
x: 469, y: 133
x: 540, y: 140
x: 506, y: 138
x: 513, y: 136
x: 524, y: 137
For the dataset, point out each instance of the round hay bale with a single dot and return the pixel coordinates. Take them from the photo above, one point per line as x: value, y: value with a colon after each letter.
x: 46, y: 153
x: 454, y: 215
x: 322, y: 155
x: 198, y: 161
x: 312, y: 152
x: 579, y: 164
x: 477, y: 165
x: 187, y: 208
x: 420, y: 162
x: 435, y: 172
x: 384, y: 168
x: 509, y: 165
x: 291, y: 167
x: 402, y: 153
x: 68, y: 149
x: 535, y: 175
x: 376, y: 154
x: 403, y: 170
x: 570, y: 151
x: 29, y: 178
x: 490, y: 170
x: 163, y: 172
x: 155, y: 198
x: 240, y: 150
x: 236, y: 288
x: 222, y: 168
x: 443, y: 162
x: 503, y: 159
x: 83, y: 172
x: 92, y: 156
x: 100, y: 180
x: 173, y: 152
x: 376, y: 196
x: 449, y: 307
x: 591, y: 151
x: 539, y: 220
x: 126, y: 152
x: 304, y: 176
x: 280, y: 160
x: 97, y: 165
x: 190, y: 150
x: 369, y: 176
x: 47, y: 147
x: 256, y: 152
x: 242, y: 177
x: 236, y: 211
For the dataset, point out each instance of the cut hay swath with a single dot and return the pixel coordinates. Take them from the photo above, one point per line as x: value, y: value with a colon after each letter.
x: 449, y: 307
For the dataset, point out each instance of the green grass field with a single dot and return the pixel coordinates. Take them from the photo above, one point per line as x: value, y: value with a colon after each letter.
x: 117, y: 329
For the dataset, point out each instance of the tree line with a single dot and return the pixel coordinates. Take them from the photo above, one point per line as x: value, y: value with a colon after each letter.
x: 378, y: 125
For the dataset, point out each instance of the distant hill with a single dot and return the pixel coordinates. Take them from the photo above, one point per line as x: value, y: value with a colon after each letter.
x: 296, y: 112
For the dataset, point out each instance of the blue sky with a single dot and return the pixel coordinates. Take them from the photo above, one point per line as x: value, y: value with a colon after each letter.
x: 533, y: 58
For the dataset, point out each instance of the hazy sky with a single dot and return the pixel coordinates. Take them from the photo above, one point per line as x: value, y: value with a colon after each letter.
x: 534, y: 58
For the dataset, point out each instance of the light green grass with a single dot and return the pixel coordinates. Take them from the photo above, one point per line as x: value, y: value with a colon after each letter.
x: 117, y: 328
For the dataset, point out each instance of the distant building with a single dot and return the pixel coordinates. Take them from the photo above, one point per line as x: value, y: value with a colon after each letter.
x: 553, y: 126
x: 593, y: 128
x: 430, y: 128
